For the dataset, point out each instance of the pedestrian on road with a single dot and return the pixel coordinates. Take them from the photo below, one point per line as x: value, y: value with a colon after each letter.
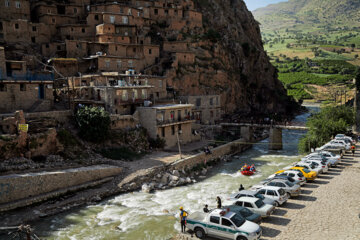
x: 241, y: 187
x: 353, y: 149
x: 183, y: 216
x: 218, y: 200
x: 206, y: 209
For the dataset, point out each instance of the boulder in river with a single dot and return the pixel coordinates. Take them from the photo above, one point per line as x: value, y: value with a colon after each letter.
x: 145, y: 188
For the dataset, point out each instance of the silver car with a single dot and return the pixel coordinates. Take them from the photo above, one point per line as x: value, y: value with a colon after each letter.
x: 291, y: 189
x: 249, y: 193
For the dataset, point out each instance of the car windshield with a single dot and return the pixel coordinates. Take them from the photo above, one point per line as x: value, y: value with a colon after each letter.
x: 246, y: 212
x: 259, y: 203
x: 237, y: 220
x: 259, y: 196
x: 339, y: 136
x: 289, y: 184
x: 306, y: 170
x: 282, y: 192
x: 300, y: 174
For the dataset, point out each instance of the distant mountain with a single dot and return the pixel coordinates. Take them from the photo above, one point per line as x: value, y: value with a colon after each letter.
x: 308, y: 12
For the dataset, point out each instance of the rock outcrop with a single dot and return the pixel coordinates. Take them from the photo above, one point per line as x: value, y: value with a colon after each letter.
x: 230, y: 60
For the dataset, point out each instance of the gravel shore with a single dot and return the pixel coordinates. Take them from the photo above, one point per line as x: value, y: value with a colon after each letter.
x: 328, y: 208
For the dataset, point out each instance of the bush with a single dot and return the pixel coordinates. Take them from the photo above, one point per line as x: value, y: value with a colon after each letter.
x: 157, y: 143
x: 93, y: 123
x: 66, y: 138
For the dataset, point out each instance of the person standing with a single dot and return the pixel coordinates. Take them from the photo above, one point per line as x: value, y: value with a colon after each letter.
x: 206, y: 209
x: 218, y: 200
x: 353, y: 149
x: 183, y: 216
x: 241, y: 187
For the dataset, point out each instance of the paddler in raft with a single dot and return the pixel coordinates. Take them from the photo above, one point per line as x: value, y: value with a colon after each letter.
x: 245, y: 168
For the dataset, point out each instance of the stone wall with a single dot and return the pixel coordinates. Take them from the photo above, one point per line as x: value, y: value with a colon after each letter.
x: 229, y: 148
x: 60, y: 116
x: 19, y: 186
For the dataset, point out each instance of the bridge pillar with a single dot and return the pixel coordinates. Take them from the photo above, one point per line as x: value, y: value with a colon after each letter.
x: 247, y: 133
x: 275, y: 139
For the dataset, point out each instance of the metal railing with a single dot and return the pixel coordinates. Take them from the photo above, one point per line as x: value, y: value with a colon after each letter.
x: 174, y: 120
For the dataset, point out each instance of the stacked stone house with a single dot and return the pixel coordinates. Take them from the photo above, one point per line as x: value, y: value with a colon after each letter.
x: 98, y: 52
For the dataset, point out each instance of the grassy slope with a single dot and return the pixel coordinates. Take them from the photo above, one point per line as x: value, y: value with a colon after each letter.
x: 312, y: 29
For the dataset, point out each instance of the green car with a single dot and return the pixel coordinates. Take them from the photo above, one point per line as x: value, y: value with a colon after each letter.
x: 245, y: 213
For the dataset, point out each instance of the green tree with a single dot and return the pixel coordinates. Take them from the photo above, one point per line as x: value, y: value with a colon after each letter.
x: 93, y: 123
x: 325, y: 125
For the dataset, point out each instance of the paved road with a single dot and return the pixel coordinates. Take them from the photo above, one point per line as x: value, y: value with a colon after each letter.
x: 327, y: 209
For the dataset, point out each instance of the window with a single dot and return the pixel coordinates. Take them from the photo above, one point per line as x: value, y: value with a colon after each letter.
x: 33, y: 40
x: 1, y: 26
x: 215, y: 219
x: 262, y: 191
x: 211, y: 101
x: 166, y: 12
x: 7, y: 3
x: 239, y: 203
x: 217, y: 100
x: 179, y: 115
x: 2, y: 87
x: 107, y: 63
x: 179, y: 127
x: 135, y: 94
x: 271, y: 193
x: 75, y: 10
x: 249, y: 205
x: 160, y: 83
x: 125, y: 20
x: 130, y: 63
x: 198, y: 102
x: 134, y: 50
x: 96, y: 17
x: 83, y: 30
x: 163, y: 132
x: 156, y: 11
x: 53, y: 20
x: 138, y: 14
x: 172, y: 115
x: 34, y: 28
x: 121, y: 10
x: 47, y: 45
x: 118, y: 64
x: 112, y: 19
x: 150, y: 51
x: 211, y: 114
x: 226, y: 222
x: 144, y: 94
x: 173, y: 129
x: 58, y: 48
x: 129, y: 11
x: 124, y: 96
x: 16, y: 26
x: 17, y: 4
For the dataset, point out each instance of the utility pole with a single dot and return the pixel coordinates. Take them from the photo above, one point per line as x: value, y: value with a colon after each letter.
x: 177, y: 136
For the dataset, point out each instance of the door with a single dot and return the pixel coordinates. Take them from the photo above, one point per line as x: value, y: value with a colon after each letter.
x: 228, y: 228
x: 214, y: 226
x: 41, y: 91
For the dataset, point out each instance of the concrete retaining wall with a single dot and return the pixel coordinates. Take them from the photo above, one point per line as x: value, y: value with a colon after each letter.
x: 229, y: 148
x: 19, y: 186
x: 61, y: 116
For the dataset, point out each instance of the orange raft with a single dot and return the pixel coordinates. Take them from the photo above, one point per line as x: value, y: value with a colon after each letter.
x: 247, y: 172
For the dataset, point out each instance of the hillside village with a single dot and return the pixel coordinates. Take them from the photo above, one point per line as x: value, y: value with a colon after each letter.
x: 59, y: 55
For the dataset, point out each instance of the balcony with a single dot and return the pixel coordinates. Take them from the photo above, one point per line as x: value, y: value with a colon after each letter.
x: 174, y: 121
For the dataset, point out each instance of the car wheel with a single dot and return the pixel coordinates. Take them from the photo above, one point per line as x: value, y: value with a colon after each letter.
x: 199, y: 233
x: 288, y: 195
x: 276, y: 204
x: 241, y: 238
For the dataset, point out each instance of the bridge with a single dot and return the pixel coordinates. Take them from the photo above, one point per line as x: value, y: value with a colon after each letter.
x: 275, y: 134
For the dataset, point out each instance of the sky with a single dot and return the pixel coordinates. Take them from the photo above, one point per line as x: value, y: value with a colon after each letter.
x: 254, y: 4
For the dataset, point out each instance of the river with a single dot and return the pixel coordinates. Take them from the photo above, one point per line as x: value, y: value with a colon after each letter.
x: 138, y: 215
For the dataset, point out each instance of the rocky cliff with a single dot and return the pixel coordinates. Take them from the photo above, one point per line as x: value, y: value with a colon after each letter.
x: 230, y: 60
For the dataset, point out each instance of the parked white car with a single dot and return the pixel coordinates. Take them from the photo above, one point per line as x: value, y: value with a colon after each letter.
x: 333, y: 160
x: 255, y: 205
x: 330, y: 155
x: 344, y: 137
x: 317, y: 158
x: 318, y: 163
x: 249, y: 193
x: 294, y: 174
x: 347, y: 146
x: 224, y: 225
x: 290, y: 188
x: 310, y: 166
x: 276, y: 193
